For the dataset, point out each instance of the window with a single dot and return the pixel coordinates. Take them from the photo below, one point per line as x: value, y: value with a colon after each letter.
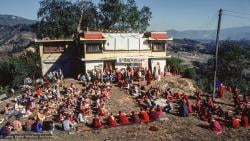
x: 93, y: 47
x: 158, y: 46
x: 53, y: 49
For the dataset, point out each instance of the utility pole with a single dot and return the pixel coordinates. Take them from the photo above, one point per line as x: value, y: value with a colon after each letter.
x: 216, y: 51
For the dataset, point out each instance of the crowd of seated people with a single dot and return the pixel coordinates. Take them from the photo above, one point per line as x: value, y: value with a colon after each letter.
x: 49, y: 104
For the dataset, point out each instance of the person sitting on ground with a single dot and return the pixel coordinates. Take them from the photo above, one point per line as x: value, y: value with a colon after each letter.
x: 153, y: 114
x: 80, y: 118
x: 40, y: 116
x: 7, y: 108
x: 28, y: 124
x: 37, y: 126
x: 169, y: 107
x: 5, y: 130
x: 237, y: 99
x: 66, y: 124
x: 184, y: 108
x: 218, y: 111
x: 197, y: 105
x: 135, y: 117
x: 123, y: 119
x: 235, y: 123
x: 17, y: 125
x: 111, y: 120
x: 158, y: 109
x: 96, y: 122
x: 72, y: 120
x: 102, y: 111
x: 244, y: 117
x: 144, y: 116
x: 205, y: 115
x: 215, y: 126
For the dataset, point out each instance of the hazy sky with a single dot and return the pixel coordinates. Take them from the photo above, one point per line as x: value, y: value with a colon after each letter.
x: 167, y: 14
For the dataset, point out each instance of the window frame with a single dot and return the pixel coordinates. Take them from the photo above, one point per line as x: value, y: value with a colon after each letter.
x: 51, y: 46
x: 153, y: 45
x: 100, y: 48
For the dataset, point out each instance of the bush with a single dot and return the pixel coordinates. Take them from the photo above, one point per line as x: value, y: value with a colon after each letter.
x: 15, y: 69
x: 189, y: 73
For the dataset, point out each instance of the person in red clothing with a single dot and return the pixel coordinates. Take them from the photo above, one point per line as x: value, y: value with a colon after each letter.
x: 158, y: 109
x: 235, y: 123
x: 123, y: 119
x: 244, y: 118
x: 174, y: 71
x: 111, y: 120
x: 144, y: 116
x: 102, y: 111
x: 190, y: 109
x: 237, y: 99
x: 96, y: 123
x: 39, y: 91
x: 135, y: 117
x: 215, y: 126
x: 221, y: 90
x: 149, y: 77
x: 46, y: 82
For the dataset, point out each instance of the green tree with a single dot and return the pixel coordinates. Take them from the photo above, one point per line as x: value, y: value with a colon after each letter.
x: 145, y: 16
x: 90, y: 17
x: 57, y: 18
x: 15, y: 69
x: 60, y: 18
x: 231, y: 62
x: 111, y: 11
x: 132, y: 16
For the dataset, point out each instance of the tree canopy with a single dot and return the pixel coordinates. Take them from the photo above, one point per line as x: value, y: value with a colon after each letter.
x: 60, y: 18
x: 233, y: 60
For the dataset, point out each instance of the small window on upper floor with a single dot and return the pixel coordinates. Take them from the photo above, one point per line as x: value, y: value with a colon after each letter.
x: 158, y: 47
x: 53, y: 49
x: 93, y: 47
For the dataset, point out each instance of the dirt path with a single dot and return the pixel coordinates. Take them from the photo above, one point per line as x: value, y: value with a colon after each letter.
x: 121, y: 101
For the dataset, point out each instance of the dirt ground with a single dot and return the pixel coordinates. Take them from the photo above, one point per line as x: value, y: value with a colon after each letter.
x: 176, y: 128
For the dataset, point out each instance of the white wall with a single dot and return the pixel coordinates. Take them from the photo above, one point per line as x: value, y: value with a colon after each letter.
x: 91, y: 65
x: 125, y: 41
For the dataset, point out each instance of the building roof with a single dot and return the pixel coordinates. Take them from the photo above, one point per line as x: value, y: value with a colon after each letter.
x: 56, y: 40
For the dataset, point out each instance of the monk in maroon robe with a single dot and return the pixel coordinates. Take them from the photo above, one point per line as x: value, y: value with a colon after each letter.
x: 221, y: 90
x: 215, y: 126
x: 235, y: 123
x: 111, y: 120
x: 149, y: 77
x: 123, y: 118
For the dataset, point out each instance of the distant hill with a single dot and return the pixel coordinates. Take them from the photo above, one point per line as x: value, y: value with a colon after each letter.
x: 10, y: 20
x: 235, y: 33
x: 15, y: 38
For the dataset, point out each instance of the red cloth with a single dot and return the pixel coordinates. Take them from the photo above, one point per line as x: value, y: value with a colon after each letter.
x: 39, y: 92
x: 144, y: 117
x: 235, y: 123
x: 119, y: 76
x: 149, y: 77
x: 112, y: 121
x: 221, y: 91
x: 96, y: 123
x: 216, y: 127
x: 190, y: 109
x: 102, y: 112
x: 244, y: 120
x: 123, y: 119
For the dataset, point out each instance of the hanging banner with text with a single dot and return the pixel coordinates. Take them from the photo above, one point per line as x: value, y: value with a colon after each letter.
x: 131, y: 60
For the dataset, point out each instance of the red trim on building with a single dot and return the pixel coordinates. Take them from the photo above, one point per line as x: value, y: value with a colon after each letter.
x: 92, y: 35
x: 159, y: 35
